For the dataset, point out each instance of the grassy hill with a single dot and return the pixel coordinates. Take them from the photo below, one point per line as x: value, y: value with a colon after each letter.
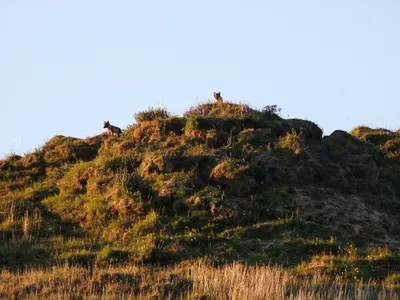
x: 222, y: 183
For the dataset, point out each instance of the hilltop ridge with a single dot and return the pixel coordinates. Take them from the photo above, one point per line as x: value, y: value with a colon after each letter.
x: 223, y: 182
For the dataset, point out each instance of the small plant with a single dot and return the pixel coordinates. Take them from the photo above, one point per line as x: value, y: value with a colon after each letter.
x: 350, y: 252
x: 25, y: 225
x: 147, y: 225
x: 245, y: 110
x: 192, y: 124
x: 151, y: 114
x: 392, y: 281
x: 378, y: 252
x: 110, y: 256
x: 292, y: 141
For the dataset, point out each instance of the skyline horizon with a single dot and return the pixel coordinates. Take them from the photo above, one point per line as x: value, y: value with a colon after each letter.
x: 102, y: 130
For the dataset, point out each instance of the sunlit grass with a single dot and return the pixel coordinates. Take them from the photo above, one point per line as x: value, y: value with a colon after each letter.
x: 183, y: 281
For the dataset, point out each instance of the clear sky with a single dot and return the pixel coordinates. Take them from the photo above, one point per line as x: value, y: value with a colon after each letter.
x: 65, y: 66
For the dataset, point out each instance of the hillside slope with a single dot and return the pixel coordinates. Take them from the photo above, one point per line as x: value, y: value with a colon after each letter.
x: 223, y: 182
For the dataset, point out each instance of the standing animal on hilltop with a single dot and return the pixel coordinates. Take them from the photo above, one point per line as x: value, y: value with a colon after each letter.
x: 113, y: 130
x: 217, y: 97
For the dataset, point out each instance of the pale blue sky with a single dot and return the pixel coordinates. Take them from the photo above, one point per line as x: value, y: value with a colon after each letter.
x: 65, y: 66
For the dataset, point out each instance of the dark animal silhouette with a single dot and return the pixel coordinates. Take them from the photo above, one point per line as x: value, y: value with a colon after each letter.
x: 113, y: 130
x: 217, y: 97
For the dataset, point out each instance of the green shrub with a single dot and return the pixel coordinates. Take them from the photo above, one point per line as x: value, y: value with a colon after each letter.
x: 147, y: 225
x: 111, y: 256
x: 392, y: 281
x: 145, y: 249
x: 256, y: 137
x: 172, y: 124
x: 68, y: 149
x: 151, y: 114
x: 375, y: 136
x: 392, y: 144
x: 192, y: 124
x: 292, y: 141
x: 228, y: 169
x: 76, y: 179
x: 96, y: 209
x: 309, y: 129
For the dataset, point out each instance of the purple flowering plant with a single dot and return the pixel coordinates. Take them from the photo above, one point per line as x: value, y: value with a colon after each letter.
x: 272, y: 109
x: 245, y: 111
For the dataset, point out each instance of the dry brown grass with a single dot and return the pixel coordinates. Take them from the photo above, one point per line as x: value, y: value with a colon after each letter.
x: 184, y: 281
x: 237, y: 281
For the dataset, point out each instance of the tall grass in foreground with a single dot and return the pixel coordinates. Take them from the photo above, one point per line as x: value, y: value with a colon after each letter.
x: 237, y: 281
x: 184, y: 281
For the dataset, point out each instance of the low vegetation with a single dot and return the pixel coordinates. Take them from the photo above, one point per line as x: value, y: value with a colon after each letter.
x: 217, y: 203
x: 184, y: 281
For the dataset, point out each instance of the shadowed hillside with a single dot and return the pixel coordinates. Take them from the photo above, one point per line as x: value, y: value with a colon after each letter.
x: 222, y: 183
